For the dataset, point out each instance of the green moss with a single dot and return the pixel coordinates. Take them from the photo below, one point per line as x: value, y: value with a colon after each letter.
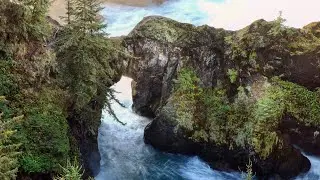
x: 165, y: 30
x: 267, y: 113
x: 300, y: 102
x: 303, y: 41
x: 282, y: 98
x: 184, y: 98
x: 36, y: 163
x: 216, y: 107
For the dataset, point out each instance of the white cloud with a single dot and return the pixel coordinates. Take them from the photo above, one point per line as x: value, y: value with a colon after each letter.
x: 236, y: 14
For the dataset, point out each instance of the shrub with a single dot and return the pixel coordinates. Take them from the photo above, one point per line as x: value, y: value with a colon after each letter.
x: 44, y: 134
x: 72, y: 171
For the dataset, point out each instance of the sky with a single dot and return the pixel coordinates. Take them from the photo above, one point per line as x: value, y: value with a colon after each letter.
x: 227, y: 14
x: 236, y: 14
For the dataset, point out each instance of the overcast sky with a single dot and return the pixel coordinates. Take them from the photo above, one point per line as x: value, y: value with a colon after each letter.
x: 236, y: 14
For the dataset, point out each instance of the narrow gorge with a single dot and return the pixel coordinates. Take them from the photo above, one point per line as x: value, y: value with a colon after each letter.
x: 156, y: 90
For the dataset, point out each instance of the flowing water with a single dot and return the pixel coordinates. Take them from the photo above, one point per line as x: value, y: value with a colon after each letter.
x: 124, y: 156
x: 122, y: 19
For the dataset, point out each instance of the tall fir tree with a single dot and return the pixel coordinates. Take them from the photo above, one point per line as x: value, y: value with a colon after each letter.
x: 84, y: 50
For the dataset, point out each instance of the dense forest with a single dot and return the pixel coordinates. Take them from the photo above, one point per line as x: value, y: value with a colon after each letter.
x: 51, y: 78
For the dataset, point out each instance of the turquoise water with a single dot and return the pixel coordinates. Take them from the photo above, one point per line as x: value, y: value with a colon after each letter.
x: 122, y: 19
x: 124, y: 156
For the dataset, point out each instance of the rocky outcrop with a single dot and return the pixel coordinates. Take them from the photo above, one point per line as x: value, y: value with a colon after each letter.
x: 226, y: 60
x: 163, y: 134
x: 162, y: 50
x: 305, y: 137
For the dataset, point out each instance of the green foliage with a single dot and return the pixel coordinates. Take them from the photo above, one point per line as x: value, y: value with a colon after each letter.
x: 239, y: 118
x: 9, y: 150
x: 282, y: 98
x: 249, y: 174
x: 44, y: 134
x: 24, y: 63
x: 216, y: 107
x: 300, y: 102
x: 7, y: 83
x: 23, y: 20
x: 267, y: 113
x: 36, y: 163
x: 84, y: 51
x: 233, y: 75
x: 208, y: 115
x: 186, y: 93
x: 72, y: 171
x: 278, y: 28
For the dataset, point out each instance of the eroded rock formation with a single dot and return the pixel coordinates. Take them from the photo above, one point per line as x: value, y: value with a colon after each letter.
x: 263, y: 65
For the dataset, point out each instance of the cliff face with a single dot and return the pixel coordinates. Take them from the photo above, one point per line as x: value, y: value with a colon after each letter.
x: 84, y: 123
x: 229, y: 96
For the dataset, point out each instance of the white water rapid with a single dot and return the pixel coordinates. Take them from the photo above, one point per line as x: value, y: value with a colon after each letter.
x: 122, y: 19
x: 124, y: 156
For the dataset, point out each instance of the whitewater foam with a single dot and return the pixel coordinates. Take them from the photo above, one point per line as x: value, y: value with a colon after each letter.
x: 122, y: 19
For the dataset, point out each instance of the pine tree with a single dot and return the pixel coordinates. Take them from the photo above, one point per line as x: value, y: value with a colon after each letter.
x: 83, y: 50
x: 9, y: 151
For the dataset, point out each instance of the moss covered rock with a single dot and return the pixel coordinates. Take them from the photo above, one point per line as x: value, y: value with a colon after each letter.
x: 214, y: 88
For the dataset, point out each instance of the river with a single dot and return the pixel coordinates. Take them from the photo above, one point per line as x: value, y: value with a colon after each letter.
x: 124, y: 156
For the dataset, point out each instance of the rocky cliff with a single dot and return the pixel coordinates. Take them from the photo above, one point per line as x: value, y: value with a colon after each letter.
x: 229, y: 96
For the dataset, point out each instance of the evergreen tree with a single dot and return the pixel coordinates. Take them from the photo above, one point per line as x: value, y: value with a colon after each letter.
x: 84, y: 51
x: 9, y: 151
x: 36, y: 11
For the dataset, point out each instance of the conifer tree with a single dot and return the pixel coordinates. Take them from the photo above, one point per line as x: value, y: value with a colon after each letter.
x: 9, y: 151
x: 83, y: 50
